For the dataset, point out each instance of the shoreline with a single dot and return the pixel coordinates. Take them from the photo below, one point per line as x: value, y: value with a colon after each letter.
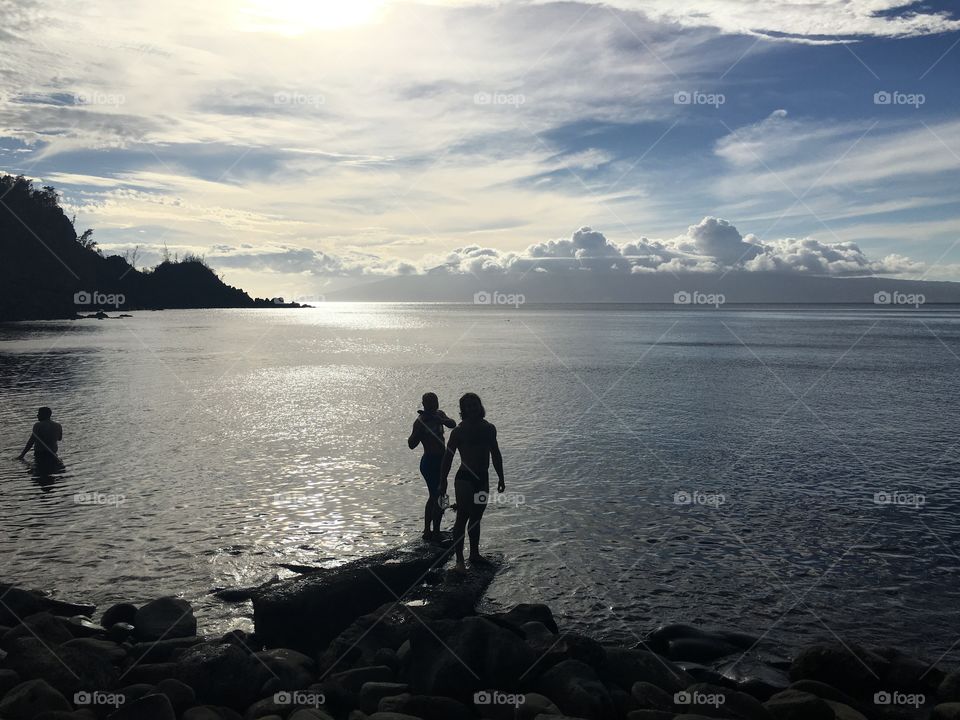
x: 396, y: 636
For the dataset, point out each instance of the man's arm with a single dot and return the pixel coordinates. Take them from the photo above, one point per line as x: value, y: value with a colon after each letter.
x: 447, y: 463
x: 59, y: 432
x: 449, y: 422
x: 415, y: 436
x: 497, y: 460
x: 28, y: 446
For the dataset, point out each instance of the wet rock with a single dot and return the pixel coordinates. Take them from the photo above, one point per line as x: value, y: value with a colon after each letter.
x: 427, y: 707
x: 109, y: 651
x: 119, y: 613
x: 949, y: 688
x: 19, y: 603
x: 700, y: 649
x: 626, y: 667
x: 554, y: 649
x: 163, y: 618
x: 266, y: 707
x: 132, y: 693
x: 165, y: 650
x: 221, y: 674
x: 650, y: 697
x: 202, y: 712
x: 848, y: 667
x: 387, y: 628
x: 474, y: 653
x: 371, y: 693
x: 909, y: 675
x: 844, y: 712
x: 720, y: 701
x: 826, y: 692
x: 120, y: 632
x: 30, y: 698
x: 68, y: 669
x: 289, y: 669
x: 41, y: 626
x: 85, y: 714
x: 530, y: 612
x: 354, y: 679
x: 8, y: 679
x: 751, y: 675
x: 661, y: 639
x: 180, y: 694
x: 149, y: 707
x: 310, y: 714
x: 796, y: 705
x: 704, y: 674
x: 150, y: 673
x: 946, y: 711
x: 82, y: 627
x: 577, y: 690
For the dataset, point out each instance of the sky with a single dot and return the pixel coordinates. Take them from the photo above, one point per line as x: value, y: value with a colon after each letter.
x: 299, y: 145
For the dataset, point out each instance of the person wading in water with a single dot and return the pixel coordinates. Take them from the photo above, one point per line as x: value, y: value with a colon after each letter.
x: 476, y: 440
x: 428, y: 431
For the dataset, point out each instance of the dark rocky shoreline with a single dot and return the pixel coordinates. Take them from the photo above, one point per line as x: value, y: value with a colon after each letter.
x: 396, y: 637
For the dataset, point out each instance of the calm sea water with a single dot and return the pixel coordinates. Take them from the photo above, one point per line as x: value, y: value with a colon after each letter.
x: 224, y: 442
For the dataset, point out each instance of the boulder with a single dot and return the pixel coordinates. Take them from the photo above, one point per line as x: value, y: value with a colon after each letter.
x: 474, y: 653
x: 19, y: 603
x: 82, y: 627
x: 202, y: 712
x: 30, y: 698
x: 354, y: 679
x: 796, y: 705
x: 165, y: 650
x: 949, y: 688
x: 165, y: 617
x: 626, y: 667
x: 8, y: 679
x: 577, y: 690
x: 848, y: 666
x: 427, y: 707
x: 946, y: 711
x: 67, y: 668
x: 844, y: 712
x: 180, y: 694
x: 41, y: 626
x: 720, y: 701
x: 701, y: 649
x: 289, y: 669
x: 826, y: 692
x: 650, y: 697
x: 371, y: 693
x: 554, y: 649
x: 909, y: 675
x: 120, y: 632
x: 119, y: 613
x: 751, y: 675
x: 150, y: 673
x: 149, y: 707
x: 109, y: 651
x: 360, y: 643
x: 523, y: 613
x: 310, y: 714
x: 221, y: 674
x: 132, y: 693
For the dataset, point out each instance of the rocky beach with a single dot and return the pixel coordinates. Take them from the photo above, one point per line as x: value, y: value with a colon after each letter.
x: 397, y: 636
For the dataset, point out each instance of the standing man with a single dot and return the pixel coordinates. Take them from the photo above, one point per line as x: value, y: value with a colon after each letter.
x: 44, y: 438
x: 428, y: 431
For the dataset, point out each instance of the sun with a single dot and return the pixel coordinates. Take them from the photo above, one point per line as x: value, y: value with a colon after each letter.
x: 294, y: 17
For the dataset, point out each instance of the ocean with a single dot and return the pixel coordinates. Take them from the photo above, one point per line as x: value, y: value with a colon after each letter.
x: 786, y: 471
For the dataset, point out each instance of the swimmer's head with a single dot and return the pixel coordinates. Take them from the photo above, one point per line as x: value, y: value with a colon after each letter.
x: 430, y: 401
x: 44, y: 413
x: 471, y: 408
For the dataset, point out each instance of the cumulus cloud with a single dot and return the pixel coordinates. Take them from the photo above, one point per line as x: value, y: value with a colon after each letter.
x: 711, y: 245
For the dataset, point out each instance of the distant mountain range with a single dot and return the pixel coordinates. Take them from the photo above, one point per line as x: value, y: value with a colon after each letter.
x: 48, y: 271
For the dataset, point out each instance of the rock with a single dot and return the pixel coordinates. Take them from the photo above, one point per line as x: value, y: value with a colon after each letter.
x: 649, y: 715
x: 68, y: 669
x: 753, y: 676
x: 290, y: 669
x: 427, y: 707
x: 120, y: 632
x: 311, y: 714
x: 701, y: 650
x: 844, y: 712
x: 474, y: 653
x: 555, y: 649
x: 848, y: 667
x: 109, y: 651
x: 8, y: 680
x: 41, y: 626
x: 946, y: 711
x: 64, y: 715
x: 360, y: 644
x: 150, y: 673
x: 165, y: 650
x: 132, y: 693
x: 372, y: 692
x: 796, y: 705
x: 180, y: 694
x: 625, y: 667
x: 909, y: 675
x: 660, y: 640
x: 949, y: 688
x: 18, y: 603
x: 149, y: 707
x: 704, y: 674
x: 119, y: 613
x: 392, y: 716
x: 82, y: 627
x: 650, y: 697
x: 267, y: 707
x: 30, y: 698
x: 221, y: 674
x: 576, y: 689
x: 354, y: 679
x: 166, y: 617
x: 531, y: 612
x: 717, y: 700
x: 202, y: 712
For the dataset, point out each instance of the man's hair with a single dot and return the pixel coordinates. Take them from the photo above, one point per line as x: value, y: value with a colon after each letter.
x: 430, y: 401
x: 44, y: 413
x: 471, y: 408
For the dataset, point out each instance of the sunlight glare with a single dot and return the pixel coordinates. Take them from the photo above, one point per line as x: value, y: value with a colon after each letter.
x: 294, y: 17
